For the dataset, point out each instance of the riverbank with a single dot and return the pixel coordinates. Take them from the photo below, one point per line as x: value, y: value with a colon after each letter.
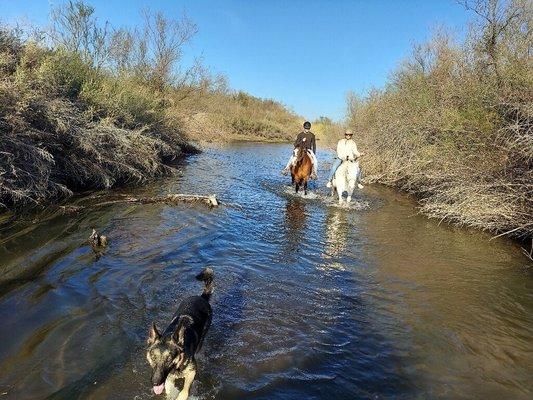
x: 67, y: 127
x: 89, y: 112
x: 453, y: 126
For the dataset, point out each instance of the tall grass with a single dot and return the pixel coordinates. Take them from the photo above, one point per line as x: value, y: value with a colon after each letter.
x: 223, y: 115
x: 454, y: 123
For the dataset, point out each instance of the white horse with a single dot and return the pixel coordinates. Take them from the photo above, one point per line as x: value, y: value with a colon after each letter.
x: 345, y: 179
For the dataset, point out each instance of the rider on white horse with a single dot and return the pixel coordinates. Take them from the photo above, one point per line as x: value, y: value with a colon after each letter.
x: 346, y: 150
x: 308, y: 139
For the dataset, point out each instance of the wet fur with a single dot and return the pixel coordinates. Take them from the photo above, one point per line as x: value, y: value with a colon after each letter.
x: 171, y: 354
x: 301, y: 170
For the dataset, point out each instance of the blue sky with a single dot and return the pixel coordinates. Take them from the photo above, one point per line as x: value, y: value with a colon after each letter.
x: 306, y: 54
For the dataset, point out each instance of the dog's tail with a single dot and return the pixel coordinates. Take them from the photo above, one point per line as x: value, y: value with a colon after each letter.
x: 207, y: 277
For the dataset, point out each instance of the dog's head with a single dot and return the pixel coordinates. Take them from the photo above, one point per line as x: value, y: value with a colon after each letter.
x: 168, y: 353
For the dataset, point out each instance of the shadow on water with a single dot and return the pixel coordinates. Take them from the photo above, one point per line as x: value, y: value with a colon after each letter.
x: 311, y: 300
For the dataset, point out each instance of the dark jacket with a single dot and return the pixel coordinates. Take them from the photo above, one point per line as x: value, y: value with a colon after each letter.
x: 310, y: 142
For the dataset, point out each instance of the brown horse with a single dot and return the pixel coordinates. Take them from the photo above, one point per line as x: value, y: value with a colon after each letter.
x: 301, y: 170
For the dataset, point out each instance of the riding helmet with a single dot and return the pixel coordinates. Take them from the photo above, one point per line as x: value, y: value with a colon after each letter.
x: 307, y: 125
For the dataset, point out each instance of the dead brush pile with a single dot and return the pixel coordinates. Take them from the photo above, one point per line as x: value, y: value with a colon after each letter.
x: 51, y: 144
x: 454, y: 125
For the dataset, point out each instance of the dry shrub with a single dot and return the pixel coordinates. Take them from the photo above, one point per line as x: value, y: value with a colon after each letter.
x: 223, y: 115
x: 52, y: 144
x: 71, y: 154
x: 456, y: 130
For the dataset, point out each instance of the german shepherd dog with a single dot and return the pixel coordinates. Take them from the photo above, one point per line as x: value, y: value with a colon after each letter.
x: 171, y: 354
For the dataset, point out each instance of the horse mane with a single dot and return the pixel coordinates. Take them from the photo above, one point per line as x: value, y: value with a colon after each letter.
x: 302, y: 151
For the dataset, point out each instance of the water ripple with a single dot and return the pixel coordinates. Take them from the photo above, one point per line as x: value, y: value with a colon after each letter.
x: 312, y: 300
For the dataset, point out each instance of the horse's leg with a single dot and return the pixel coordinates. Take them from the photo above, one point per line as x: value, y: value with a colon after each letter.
x: 350, y: 192
x: 351, y: 188
x: 305, y: 187
x: 340, y: 191
x: 297, y: 186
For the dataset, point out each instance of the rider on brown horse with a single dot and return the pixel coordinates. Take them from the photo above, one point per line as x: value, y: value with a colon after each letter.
x: 305, y: 140
x: 303, y: 167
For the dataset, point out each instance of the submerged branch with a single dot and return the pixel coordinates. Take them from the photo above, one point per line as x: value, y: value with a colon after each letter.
x: 174, y: 198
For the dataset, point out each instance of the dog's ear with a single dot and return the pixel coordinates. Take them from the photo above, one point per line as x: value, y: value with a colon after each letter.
x: 179, y: 335
x: 154, y: 334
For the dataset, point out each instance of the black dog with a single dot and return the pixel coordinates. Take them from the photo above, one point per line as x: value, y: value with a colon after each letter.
x: 171, y: 354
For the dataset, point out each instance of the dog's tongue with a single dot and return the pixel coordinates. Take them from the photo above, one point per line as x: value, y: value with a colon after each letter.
x: 159, y: 389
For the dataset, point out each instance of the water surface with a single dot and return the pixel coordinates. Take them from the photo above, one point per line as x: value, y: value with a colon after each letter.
x: 312, y: 301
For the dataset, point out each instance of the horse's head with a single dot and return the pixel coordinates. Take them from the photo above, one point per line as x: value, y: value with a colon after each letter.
x: 302, y: 152
x: 352, y: 170
x: 303, y: 166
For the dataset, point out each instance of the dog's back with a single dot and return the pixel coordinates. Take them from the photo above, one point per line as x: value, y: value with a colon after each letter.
x: 206, y: 276
x: 198, y: 308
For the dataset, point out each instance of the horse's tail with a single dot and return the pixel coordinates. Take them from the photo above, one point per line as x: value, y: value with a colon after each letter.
x: 206, y: 276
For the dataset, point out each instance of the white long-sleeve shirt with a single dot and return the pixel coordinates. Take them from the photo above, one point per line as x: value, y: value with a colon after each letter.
x: 347, y: 149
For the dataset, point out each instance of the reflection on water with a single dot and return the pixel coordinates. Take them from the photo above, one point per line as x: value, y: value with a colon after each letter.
x: 336, y: 232
x: 294, y: 226
x: 312, y: 300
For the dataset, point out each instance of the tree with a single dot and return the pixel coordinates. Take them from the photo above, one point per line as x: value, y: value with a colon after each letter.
x: 496, y: 19
x: 76, y: 28
x: 164, y: 39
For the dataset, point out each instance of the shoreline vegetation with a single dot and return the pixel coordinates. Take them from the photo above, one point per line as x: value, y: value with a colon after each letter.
x: 87, y: 106
x: 84, y: 105
x: 454, y: 123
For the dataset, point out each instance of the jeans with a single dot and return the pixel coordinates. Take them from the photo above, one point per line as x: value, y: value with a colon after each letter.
x: 336, y: 164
